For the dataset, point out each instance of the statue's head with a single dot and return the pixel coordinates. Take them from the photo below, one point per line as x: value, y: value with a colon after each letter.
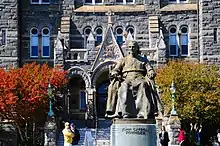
x: 133, y: 47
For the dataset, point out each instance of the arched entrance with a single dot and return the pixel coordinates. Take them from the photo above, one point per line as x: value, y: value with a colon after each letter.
x: 102, y: 84
x: 77, y: 95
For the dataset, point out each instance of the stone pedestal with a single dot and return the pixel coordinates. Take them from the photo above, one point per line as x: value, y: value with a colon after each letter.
x: 172, y: 129
x: 50, y: 129
x: 133, y: 132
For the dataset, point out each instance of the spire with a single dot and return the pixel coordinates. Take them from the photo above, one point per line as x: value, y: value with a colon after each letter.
x: 109, y: 14
x: 161, y: 44
x: 59, y: 35
x: 129, y: 37
x: 90, y: 42
x: 90, y: 37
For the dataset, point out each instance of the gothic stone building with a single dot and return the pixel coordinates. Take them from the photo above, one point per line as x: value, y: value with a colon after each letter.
x: 86, y: 36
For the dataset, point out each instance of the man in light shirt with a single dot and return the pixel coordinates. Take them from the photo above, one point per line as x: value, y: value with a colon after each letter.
x: 68, y: 135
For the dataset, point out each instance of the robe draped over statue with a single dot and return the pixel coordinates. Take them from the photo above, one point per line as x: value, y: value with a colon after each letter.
x: 112, y: 106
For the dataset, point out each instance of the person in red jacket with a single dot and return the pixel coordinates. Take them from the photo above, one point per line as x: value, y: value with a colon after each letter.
x: 181, y: 137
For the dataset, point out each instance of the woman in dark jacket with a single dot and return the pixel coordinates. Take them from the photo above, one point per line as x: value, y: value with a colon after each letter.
x: 164, y: 137
x: 76, y: 133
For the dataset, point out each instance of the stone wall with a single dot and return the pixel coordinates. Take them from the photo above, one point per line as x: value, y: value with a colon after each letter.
x: 209, y: 20
x: 9, y: 22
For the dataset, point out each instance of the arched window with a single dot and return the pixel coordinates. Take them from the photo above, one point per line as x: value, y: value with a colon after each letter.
x: 184, y: 41
x: 120, y: 1
x: 131, y: 30
x: 177, y: 1
x: 45, y: 42
x: 130, y: 1
x: 40, y: 1
x: 125, y: 1
x: 86, y: 32
x: 98, y: 1
x: 88, y: 1
x: 93, y: 2
x: 119, y: 35
x: 75, y: 56
x: 34, y: 43
x: 99, y: 35
x: 173, y: 45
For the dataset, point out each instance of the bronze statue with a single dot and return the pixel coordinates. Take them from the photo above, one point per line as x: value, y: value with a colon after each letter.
x: 132, y: 92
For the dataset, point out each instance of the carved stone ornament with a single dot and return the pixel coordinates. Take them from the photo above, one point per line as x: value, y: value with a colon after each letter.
x: 111, y: 52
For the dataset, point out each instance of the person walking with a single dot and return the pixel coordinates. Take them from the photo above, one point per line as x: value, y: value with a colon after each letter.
x: 181, y: 137
x: 68, y: 135
x: 76, y: 133
x: 198, y: 130
x: 218, y: 136
x: 164, y: 137
x: 192, y: 135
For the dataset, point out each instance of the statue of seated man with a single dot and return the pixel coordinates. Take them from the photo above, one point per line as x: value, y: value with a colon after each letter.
x: 135, y: 94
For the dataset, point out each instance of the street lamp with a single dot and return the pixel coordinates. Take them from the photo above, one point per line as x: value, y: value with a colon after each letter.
x: 173, y: 91
x: 49, y: 90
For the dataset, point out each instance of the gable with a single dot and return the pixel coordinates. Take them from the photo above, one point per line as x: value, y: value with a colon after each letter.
x: 109, y: 50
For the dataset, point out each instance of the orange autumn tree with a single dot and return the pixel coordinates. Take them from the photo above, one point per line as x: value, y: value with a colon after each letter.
x: 23, y: 92
x: 197, y: 90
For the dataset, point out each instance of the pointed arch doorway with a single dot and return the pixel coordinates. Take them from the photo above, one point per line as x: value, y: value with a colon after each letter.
x: 102, y: 84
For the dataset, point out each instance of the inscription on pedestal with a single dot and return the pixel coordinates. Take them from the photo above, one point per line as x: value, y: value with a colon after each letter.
x: 133, y: 131
x: 133, y: 135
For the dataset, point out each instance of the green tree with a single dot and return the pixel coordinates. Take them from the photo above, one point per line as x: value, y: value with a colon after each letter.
x: 197, y: 90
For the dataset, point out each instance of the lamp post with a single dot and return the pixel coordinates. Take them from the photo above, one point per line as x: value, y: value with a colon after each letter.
x: 173, y: 91
x: 50, y: 127
x: 50, y: 113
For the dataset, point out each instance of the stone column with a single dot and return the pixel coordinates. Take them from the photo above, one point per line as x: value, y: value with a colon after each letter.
x: 172, y: 129
x: 50, y: 130
x: 90, y: 115
x: 133, y: 132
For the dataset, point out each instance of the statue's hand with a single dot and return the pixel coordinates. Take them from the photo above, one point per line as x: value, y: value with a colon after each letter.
x: 151, y: 74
